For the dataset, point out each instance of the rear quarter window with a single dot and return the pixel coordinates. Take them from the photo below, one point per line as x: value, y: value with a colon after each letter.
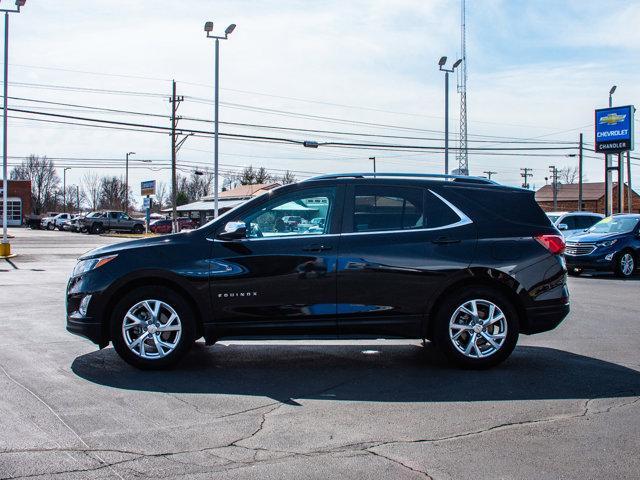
x: 498, y: 203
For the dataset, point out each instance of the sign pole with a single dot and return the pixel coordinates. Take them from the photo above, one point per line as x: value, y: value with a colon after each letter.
x: 148, y: 213
x: 620, y: 183
x: 629, y: 190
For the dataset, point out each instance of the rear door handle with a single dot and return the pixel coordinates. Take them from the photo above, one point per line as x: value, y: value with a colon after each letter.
x: 445, y: 240
x: 317, y: 247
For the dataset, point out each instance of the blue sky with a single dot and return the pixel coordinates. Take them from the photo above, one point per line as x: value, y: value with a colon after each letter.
x: 536, y: 68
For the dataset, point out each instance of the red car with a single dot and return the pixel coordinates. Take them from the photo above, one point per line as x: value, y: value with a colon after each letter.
x: 164, y: 226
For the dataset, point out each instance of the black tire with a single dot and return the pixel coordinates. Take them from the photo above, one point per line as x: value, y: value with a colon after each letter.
x: 186, y: 318
x: 621, y: 259
x: 574, y: 272
x: 138, y: 229
x: 50, y: 226
x: 97, y: 228
x: 450, y: 305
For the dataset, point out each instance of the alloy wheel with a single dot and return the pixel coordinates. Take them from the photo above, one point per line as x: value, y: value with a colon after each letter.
x: 627, y: 264
x: 478, y: 328
x: 151, y: 329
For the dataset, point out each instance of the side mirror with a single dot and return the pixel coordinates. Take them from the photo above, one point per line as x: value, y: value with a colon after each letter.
x: 563, y: 226
x: 233, y: 231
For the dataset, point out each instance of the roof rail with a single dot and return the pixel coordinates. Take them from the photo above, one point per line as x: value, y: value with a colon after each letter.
x: 455, y: 178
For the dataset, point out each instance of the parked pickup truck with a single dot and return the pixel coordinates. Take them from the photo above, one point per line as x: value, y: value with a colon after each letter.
x: 98, y: 222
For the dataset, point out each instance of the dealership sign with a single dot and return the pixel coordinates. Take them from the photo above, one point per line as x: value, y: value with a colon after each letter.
x: 148, y: 188
x: 614, y: 129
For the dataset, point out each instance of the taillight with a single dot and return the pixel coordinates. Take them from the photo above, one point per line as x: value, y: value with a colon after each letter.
x: 553, y: 243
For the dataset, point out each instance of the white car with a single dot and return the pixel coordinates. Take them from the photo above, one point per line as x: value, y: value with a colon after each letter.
x: 51, y: 223
x: 570, y: 223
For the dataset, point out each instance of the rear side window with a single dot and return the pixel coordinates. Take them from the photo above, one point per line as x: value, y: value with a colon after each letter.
x: 379, y: 208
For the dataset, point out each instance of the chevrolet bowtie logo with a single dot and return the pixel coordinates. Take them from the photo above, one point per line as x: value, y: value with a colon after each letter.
x: 612, y: 119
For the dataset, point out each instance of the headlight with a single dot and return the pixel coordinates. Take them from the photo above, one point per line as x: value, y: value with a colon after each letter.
x: 607, y: 243
x: 84, y: 266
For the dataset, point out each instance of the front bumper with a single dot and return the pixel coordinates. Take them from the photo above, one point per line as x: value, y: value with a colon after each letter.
x: 86, y: 323
x: 86, y: 327
x: 595, y: 261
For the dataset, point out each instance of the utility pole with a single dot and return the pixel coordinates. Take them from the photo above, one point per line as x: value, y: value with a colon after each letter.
x: 126, y: 184
x: 374, y: 164
x: 78, y: 197
x: 64, y: 188
x: 525, y: 174
x: 175, y: 101
x: 489, y: 173
x: 580, y: 175
x: 554, y: 179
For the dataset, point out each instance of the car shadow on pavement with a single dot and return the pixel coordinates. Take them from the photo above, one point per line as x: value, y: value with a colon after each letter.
x: 378, y: 373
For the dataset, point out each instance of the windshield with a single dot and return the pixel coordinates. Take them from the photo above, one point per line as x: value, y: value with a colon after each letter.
x: 553, y: 218
x: 615, y: 225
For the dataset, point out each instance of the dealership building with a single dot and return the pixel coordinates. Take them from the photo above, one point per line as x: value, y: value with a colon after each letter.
x: 18, y: 201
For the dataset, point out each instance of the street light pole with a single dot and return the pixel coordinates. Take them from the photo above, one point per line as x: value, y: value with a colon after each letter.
x: 5, y: 247
x: 446, y: 71
x: 608, y: 180
x: 126, y: 184
x: 64, y: 189
x: 208, y: 27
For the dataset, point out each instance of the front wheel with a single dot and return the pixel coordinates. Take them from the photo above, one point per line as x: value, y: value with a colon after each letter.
x: 50, y: 226
x: 152, y: 327
x: 574, y: 272
x: 625, y: 265
x: 476, y: 327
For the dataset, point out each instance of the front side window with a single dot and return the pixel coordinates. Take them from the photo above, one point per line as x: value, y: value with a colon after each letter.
x: 306, y: 212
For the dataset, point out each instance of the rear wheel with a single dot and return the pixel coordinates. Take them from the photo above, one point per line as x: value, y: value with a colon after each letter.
x: 138, y: 229
x: 152, y: 327
x: 476, y: 327
x: 625, y: 264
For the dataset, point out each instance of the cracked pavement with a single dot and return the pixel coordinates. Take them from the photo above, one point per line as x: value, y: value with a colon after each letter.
x: 566, y: 405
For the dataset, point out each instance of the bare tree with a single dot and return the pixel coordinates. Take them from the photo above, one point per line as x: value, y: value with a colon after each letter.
x: 252, y: 176
x: 262, y: 176
x: 91, y: 189
x: 567, y: 175
x: 112, y: 193
x: 288, y: 178
x: 44, y: 181
x: 162, y: 196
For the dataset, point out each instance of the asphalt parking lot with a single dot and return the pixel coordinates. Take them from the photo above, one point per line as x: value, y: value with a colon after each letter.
x: 565, y: 405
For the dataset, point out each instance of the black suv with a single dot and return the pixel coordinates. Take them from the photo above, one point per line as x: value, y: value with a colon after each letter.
x: 461, y: 261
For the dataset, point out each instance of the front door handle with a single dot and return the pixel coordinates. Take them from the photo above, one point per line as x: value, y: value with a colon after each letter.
x: 317, y: 247
x: 445, y: 240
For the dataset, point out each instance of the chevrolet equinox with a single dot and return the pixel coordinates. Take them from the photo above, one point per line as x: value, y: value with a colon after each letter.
x: 461, y: 261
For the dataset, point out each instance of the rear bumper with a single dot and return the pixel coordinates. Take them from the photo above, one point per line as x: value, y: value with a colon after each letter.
x: 544, y: 318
